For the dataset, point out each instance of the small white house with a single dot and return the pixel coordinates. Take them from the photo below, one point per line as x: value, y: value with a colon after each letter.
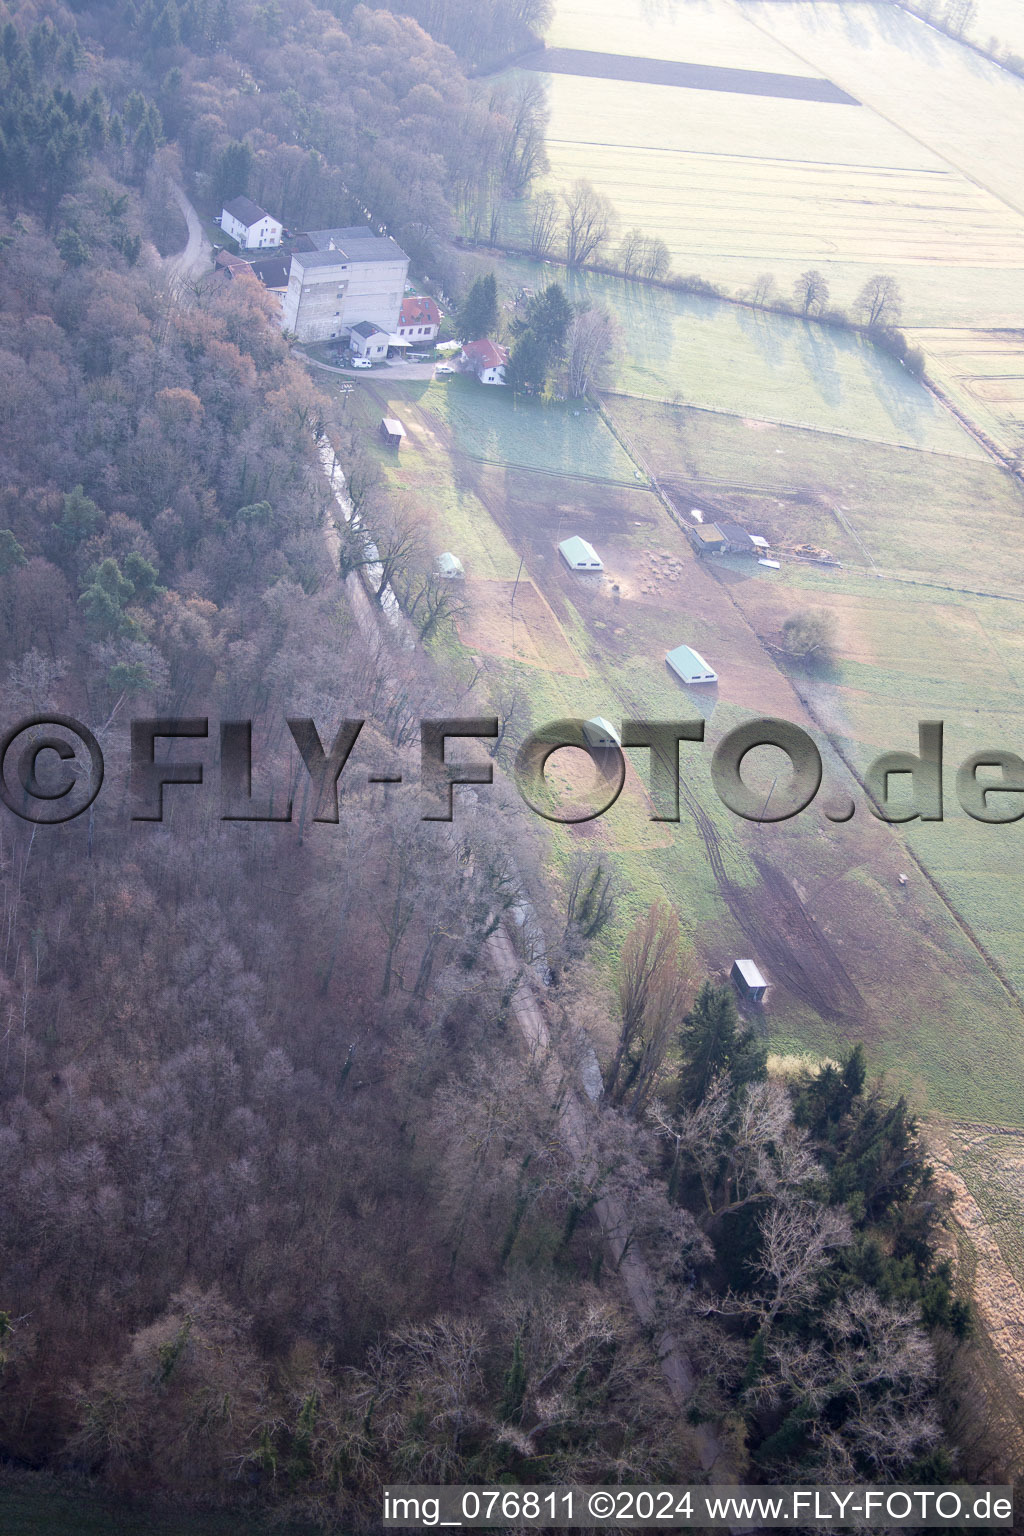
x: 689, y: 665
x: 450, y: 565
x: 486, y: 359
x: 599, y: 733
x: 368, y: 340
x: 251, y: 226
x: 579, y: 555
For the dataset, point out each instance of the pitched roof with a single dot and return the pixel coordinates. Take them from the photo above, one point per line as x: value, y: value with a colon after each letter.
x: 230, y: 263
x: 708, y: 533
x: 734, y: 534
x: 419, y: 311
x: 246, y: 211
x: 485, y: 353
x: 750, y: 973
x: 690, y: 665
x: 366, y: 329
x: 272, y: 271
x: 578, y: 552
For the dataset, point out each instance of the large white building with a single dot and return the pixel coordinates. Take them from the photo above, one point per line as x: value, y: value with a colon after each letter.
x: 250, y: 226
x: 343, y: 278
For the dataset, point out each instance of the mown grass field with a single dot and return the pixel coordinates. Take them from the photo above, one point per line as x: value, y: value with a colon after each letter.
x: 700, y: 33
x: 983, y: 373
x: 1001, y: 21
x: 912, y: 182
x: 725, y: 357
x: 915, y: 642
x: 919, y: 989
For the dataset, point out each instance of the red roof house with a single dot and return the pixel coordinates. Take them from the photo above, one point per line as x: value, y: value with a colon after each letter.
x: 419, y: 320
x: 486, y: 359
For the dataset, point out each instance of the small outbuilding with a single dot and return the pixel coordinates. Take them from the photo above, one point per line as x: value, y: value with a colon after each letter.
x: 579, y: 555
x: 748, y: 981
x: 707, y: 539
x: 392, y: 431
x: 450, y: 565
x: 690, y: 665
x: 599, y: 733
x: 368, y: 340
x: 737, y: 539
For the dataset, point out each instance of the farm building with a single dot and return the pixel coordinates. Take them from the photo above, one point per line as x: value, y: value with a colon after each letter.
x: 449, y: 565
x: 690, y: 665
x: 737, y: 539
x: 707, y: 539
x: 599, y: 733
x: 579, y: 555
x: 392, y: 431
x: 748, y: 981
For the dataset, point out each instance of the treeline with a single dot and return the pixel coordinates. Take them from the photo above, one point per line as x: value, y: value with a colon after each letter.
x: 822, y: 1219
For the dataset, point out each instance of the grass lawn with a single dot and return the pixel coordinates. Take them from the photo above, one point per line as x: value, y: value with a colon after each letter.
x: 724, y: 357
x: 819, y: 904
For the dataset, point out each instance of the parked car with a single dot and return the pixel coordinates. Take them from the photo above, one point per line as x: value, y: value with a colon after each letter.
x: 443, y: 369
x: 361, y: 362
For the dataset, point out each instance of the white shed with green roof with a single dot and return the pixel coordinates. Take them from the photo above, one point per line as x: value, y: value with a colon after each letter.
x: 690, y: 665
x: 599, y: 732
x: 579, y: 555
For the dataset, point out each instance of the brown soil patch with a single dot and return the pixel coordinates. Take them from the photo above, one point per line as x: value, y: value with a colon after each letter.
x: 530, y: 633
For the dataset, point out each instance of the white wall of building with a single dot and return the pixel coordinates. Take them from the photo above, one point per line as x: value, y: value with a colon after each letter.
x: 322, y: 301
x: 266, y: 235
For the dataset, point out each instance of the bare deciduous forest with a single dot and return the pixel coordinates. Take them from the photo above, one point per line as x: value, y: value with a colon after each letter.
x: 292, y: 1205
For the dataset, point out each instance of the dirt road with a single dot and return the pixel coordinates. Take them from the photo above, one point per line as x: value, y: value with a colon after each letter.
x: 197, y: 257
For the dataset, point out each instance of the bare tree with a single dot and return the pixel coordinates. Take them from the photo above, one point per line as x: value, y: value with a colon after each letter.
x: 589, y: 222
x: 522, y: 110
x: 655, y: 258
x: 590, y: 900
x: 546, y: 218
x: 810, y: 636
x: 811, y: 292
x: 434, y: 603
x: 880, y: 301
x: 652, y: 992
x: 630, y: 250
x: 589, y: 348
x: 765, y: 290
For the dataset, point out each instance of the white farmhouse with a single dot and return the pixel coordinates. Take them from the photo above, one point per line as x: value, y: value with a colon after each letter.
x: 251, y: 226
x: 342, y: 279
x: 486, y: 359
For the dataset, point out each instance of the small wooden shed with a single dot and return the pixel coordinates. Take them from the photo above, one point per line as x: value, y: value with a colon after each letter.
x: 748, y: 981
x: 392, y: 431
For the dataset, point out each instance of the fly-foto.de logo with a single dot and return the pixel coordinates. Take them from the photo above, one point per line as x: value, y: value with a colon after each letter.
x: 52, y: 770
